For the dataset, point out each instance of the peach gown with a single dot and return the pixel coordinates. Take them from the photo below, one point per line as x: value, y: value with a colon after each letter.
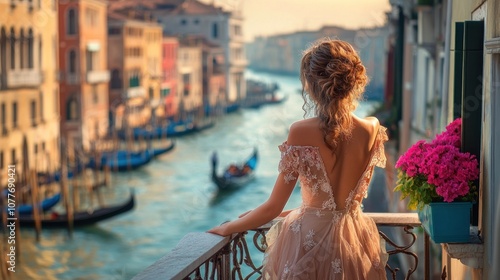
x: 317, y: 240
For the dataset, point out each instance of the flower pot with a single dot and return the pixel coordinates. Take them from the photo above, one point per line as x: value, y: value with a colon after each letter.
x: 447, y: 222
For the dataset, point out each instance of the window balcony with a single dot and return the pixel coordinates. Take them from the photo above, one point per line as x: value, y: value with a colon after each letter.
x: 136, y: 92
x: 201, y: 255
x: 24, y: 78
x: 98, y: 76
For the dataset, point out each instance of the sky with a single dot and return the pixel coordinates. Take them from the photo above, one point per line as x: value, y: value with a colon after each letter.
x: 270, y: 17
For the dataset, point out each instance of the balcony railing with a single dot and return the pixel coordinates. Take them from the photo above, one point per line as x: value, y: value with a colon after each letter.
x: 100, y: 76
x: 24, y: 78
x: 207, y: 256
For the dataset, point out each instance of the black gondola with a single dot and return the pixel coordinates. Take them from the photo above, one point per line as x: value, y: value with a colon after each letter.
x: 82, y: 218
x: 242, y: 174
x: 122, y: 160
x: 157, y: 151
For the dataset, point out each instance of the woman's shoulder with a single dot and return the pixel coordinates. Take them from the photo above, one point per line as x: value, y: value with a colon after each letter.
x: 304, y: 132
x: 369, y: 124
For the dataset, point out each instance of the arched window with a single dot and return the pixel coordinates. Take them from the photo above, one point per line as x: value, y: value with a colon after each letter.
x: 21, y: 49
x: 71, y: 109
x: 215, y: 30
x: 12, y: 49
x: 30, y: 49
x: 72, y: 62
x: 72, y: 23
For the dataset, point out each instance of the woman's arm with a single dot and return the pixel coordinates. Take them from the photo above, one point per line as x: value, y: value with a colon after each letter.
x: 262, y: 214
x: 282, y: 215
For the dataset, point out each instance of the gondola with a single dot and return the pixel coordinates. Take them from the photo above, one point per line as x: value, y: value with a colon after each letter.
x: 131, y: 161
x: 121, y: 160
x: 173, y: 129
x: 45, y: 205
x: 45, y: 178
x: 161, y: 150
x: 234, y: 180
x: 82, y: 218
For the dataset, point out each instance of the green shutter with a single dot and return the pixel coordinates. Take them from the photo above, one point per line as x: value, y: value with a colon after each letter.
x: 457, y: 79
x: 472, y: 95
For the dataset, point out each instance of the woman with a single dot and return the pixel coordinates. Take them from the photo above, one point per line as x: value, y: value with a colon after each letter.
x: 333, y: 156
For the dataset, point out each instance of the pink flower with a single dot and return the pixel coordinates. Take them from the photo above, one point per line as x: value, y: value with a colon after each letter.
x: 441, y: 163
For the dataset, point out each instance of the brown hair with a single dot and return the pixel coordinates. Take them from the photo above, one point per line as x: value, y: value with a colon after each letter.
x: 333, y: 81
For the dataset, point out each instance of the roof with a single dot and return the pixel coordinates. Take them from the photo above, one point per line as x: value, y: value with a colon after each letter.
x: 194, y: 7
x: 149, y: 4
x: 195, y: 41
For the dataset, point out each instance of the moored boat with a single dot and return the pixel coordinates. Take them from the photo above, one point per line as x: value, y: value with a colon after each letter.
x: 81, y: 218
x: 235, y: 176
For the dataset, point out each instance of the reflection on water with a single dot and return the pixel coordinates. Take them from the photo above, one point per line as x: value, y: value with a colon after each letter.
x: 174, y: 196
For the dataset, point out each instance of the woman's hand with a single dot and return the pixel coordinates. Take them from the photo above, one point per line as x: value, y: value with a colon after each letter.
x: 222, y: 230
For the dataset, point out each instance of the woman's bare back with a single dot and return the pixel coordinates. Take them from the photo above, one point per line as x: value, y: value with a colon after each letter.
x: 346, y: 164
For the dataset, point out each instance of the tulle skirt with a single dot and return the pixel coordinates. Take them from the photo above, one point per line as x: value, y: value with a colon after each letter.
x: 312, y: 243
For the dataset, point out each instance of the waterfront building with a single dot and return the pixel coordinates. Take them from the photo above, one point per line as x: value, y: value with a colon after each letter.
x: 169, y: 92
x: 29, y: 87
x: 282, y: 53
x: 84, y: 72
x: 218, y: 26
x: 213, y: 76
x: 447, y: 65
x: 189, y: 86
x: 134, y: 58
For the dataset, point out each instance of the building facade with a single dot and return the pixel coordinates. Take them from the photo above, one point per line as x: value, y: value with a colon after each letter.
x: 134, y: 59
x: 83, y: 64
x: 219, y: 27
x: 213, y: 77
x: 169, y: 92
x: 29, y: 88
x: 189, y: 86
x: 449, y: 65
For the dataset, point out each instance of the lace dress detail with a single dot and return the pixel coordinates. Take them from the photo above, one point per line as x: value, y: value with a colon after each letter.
x: 317, y: 240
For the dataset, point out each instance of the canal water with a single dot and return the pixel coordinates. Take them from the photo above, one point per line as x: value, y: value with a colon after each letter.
x: 174, y: 196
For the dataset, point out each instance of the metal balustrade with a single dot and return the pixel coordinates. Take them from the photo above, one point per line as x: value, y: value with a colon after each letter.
x: 207, y: 256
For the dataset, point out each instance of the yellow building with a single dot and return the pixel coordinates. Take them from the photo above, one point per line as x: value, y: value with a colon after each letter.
x: 134, y: 58
x: 29, y: 98
x: 190, y: 91
x: 152, y: 72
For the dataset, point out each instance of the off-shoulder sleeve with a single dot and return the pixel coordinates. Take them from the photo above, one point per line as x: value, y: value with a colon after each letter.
x: 379, y: 156
x: 289, y: 163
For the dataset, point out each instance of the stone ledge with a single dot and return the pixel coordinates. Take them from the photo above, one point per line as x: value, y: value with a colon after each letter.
x: 191, y: 252
x: 470, y: 254
x: 395, y: 219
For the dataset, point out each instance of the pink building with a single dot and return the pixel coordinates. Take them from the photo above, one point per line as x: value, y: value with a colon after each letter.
x: 169, y: 79
x: 84, y: 71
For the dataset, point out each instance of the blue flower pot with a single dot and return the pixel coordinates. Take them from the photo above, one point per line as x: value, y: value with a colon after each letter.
x: 447, y: 222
